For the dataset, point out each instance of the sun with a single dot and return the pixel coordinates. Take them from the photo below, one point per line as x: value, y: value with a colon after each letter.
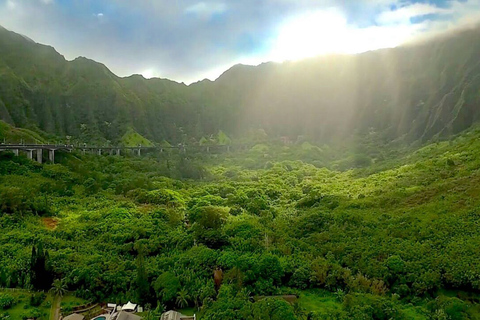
x: 312, y: 34
x: 327, y: 32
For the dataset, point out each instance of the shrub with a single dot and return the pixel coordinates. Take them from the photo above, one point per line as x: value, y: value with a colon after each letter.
x: 36, y: 299
x: 6, y: 300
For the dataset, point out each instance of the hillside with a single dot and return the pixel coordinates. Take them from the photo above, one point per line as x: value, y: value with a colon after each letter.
x: 399, y: 241
x: 414, y: 93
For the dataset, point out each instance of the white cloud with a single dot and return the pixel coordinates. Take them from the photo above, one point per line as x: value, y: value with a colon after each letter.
x: 328, y: 31
x: 178, y: 40
x: 205, y: 11
x: 405, y: 13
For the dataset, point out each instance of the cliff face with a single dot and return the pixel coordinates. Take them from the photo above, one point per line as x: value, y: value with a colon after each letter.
x: 413, y: 93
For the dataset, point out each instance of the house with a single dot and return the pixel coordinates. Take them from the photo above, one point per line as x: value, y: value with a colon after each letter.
x: 174, y: 315
x: 74, y: 316
x: 127, y: 316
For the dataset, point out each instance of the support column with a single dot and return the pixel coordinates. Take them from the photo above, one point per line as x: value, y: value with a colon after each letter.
x: 99, y: 152
x: 29, y: 154
x: 118, y: 152
x: 15, y: 152
x: 51, y: 155
x: 39, y: 155
x: 139, y: 152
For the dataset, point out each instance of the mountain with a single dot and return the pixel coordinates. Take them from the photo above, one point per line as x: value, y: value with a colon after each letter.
x: 412, y: 93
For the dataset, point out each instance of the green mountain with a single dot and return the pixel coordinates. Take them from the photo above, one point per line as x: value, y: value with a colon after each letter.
x: 415, y: 92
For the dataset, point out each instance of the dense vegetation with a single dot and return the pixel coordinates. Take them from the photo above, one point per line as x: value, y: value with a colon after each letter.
x: 412, y: 93
x: 394, y: 239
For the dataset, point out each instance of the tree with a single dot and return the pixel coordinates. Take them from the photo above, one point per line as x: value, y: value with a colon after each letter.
x: 207, y: 223
x: 40, y: 273
x: 143, y: 286
x: 182, y: 298
x: 166, y: 286
x: 59, y: 288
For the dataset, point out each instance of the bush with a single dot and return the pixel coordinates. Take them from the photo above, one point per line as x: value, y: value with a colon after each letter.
x: 6, y: 300
x: 36, y: 299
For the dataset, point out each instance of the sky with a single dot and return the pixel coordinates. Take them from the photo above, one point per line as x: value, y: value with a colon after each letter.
x: 189, y: 40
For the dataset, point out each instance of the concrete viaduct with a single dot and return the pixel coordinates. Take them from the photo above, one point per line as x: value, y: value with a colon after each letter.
x: 39, y: 149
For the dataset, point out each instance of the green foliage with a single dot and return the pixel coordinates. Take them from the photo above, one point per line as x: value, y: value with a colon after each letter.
x: 169, y: 198
x: 131, y: 138
x: 379, y: 242
x: 6, y: 300
x: 167, y: 286
x: 223, y: 139
x: 207, y: 223
x: 59, y: 288
x: 37, y: 298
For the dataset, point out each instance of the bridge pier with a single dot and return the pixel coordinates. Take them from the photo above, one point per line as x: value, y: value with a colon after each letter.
x: 29, y: 154
x: 99, y: 152
x: 139, y: 152
x: 15, y: 152
x: 39, y: 155
x: 51, y: 155
x: 118, y: 152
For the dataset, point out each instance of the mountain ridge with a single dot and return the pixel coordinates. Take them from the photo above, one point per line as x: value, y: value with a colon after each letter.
x: 415, y: 93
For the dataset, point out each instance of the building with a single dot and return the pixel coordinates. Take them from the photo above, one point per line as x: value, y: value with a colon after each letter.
x: 174, y: 315
x: 74, y: 316
x: 127, y: 316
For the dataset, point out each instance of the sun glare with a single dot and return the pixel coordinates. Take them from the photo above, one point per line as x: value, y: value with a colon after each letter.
x: 148, y: 74
x: 328, y: 31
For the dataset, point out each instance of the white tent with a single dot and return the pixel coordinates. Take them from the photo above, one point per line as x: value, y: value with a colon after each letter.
x: 129, y: 307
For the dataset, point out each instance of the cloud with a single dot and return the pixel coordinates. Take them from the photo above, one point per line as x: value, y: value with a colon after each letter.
x: 406, y: 13
x: 206, y: 11
x: 187, y: 40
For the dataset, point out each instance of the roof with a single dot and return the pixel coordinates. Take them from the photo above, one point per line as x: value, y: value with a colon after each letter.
x: 129, y: 306
x: 127, y: 316
x: 74, y: 316
x: 174, y: 315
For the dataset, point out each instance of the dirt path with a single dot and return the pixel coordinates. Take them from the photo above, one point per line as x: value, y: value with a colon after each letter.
x: 55, y: 312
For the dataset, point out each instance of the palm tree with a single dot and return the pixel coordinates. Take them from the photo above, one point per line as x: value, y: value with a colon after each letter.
x: 59, y: 288
x: 182, y: 298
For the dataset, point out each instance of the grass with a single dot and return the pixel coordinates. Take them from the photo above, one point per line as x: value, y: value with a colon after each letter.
x: 72, y: 301
x: 188, y: 311
x: 133, y: 139
x: 318, y: 301
x: 23, y: 308
x: 16, y: 135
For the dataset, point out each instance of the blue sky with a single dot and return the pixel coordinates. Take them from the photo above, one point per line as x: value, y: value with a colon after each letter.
x: 188, y: 40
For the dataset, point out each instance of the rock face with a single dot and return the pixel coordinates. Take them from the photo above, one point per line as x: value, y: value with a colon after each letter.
x: 413, y: 93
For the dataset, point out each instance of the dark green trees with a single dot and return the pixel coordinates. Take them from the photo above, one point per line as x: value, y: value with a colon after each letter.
x: 41, y: 275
